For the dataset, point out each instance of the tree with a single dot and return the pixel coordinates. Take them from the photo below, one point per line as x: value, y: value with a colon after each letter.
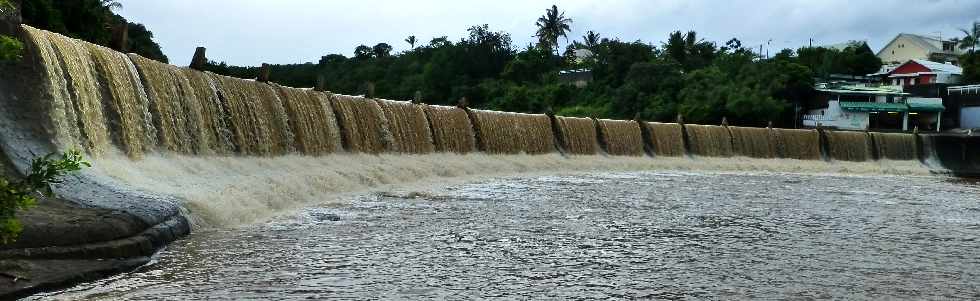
x: 381, y: 50
x: 551, y: 26
x: 591, y: 40
x: 970, y: 39
x: 20, y: 195
x: 111, y: 5
x: 411, y: 41
x: 363, y: 52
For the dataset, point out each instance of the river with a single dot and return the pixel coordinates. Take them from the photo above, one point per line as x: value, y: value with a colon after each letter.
x: 621, y: 235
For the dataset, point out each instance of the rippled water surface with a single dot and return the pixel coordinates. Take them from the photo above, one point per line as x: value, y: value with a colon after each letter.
x: 670, y: 235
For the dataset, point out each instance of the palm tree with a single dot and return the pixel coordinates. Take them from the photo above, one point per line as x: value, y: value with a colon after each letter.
x: 591, y: 39
x: 970, y: 40
x: 551, y: 26
x: 411, y: 41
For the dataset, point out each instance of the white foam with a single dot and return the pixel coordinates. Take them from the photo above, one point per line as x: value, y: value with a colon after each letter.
x: 230, y: 191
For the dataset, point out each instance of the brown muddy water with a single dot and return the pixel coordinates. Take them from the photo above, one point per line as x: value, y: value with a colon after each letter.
x: 619, y: 235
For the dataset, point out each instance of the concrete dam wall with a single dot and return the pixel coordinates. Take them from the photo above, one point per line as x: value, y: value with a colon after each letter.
x: 166, y: 139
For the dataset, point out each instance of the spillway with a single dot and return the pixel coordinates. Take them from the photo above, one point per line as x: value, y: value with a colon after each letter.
x: 848, y: 146
x: 621, y: 137
x: 408, y: 126
x: 709, y: 140
x: 577, y: 135
x: 513, y: 133
x: 752, y: 142
x: 895, y: 146
x: 312, y: 121
x: 363, y: 124
x: 666, y: 139
x: 452, y: 131
x: 797, y: 144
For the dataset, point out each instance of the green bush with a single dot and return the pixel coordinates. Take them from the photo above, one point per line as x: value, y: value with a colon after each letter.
x: 11, y: 49
x: 20, y: 195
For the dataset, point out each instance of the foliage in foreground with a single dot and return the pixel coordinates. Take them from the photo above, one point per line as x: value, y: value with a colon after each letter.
x: 20, y: 195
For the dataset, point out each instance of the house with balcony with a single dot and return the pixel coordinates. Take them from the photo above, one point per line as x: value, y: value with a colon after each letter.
x: 906, y: 46
x: 851, y: 106
x: 919, y: 72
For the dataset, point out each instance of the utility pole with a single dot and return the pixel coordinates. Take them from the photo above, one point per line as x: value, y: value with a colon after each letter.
x: 811, y: 42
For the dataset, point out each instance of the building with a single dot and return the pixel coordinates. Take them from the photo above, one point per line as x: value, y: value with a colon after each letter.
x: 964, y: 102
x: 853, y: 106
x: 906, y: 46
x: 920, y: 72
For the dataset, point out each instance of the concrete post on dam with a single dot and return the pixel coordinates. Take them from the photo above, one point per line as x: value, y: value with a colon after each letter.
x: 200, y: 59
x: 264, y: 73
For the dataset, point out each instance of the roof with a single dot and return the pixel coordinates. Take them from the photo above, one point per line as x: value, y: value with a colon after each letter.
x: 930, y: 44
x: 925, y: 105
x: 873, y: 106
x: 859, y: 89
x: 940, y: 67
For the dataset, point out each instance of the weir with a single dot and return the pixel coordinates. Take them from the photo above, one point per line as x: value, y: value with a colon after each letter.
x: 577, y: 136
x: 408, y: 126
x: 666, y: 139
x: 709, y: 140
x: 621, y: 137
x: 513, y: 133
x: 167, y: 139
x: 848, y: 146
x: 363, y: 124
x: 452, y: 131
x: 752, y: 142
x: 895, y: 146
x: 797, y: 144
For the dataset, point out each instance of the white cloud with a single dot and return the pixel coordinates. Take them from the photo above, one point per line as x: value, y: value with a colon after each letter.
x: 249, y: 32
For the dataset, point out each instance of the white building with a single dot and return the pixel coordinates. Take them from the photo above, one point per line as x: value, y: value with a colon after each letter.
x: 860, y: 107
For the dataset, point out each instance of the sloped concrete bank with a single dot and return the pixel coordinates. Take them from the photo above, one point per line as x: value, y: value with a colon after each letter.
x: 92, y: 228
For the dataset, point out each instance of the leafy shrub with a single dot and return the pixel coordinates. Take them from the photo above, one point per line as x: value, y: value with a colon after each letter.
x: 20, y: 195
x: 11, y: 49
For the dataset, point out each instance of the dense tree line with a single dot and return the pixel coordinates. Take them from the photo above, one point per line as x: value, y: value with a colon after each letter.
x: 686, y: 75
x: 90, y: 20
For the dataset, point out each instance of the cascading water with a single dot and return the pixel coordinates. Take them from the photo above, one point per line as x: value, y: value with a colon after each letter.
x: 577, y: 135
x: 217, y: 132
x: 667, y: 139
x: 895, y: 146
x: 363, y: 124
x: 848, y: 146
x: 75, y: 90
x: 178, y: 117
x: 452, y: 131
x: 796, y: 144
x: 408, y: 126
x: 513, y: 133
x: 752, y: 142
x: 312, y: 120
x: 621, y: 137
x: 709, y: 140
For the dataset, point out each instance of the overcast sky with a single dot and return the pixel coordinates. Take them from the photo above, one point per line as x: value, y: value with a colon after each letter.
x: 250, y: 32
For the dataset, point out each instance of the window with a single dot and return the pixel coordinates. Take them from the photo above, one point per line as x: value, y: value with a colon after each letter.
x: 948, y: 46
x: 912, y: 82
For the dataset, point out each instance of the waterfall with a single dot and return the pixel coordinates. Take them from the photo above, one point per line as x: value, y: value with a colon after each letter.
x: 217, y: 129
x: 752, y: 142
x: 666, y: 139
x: 797, y: 144
x: 895, y: 146
x: 451, y: 129
x: 179, y: 119
x: 848, y: 146
x: 258, y: 116
x: 363, y: 125
x: 577, y: 135
x: 513, y: 133
x: 74, y: 83
x: 709, y: 140
x: 312, y: 120
x: 621, y: 137
x: 409, y: 127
